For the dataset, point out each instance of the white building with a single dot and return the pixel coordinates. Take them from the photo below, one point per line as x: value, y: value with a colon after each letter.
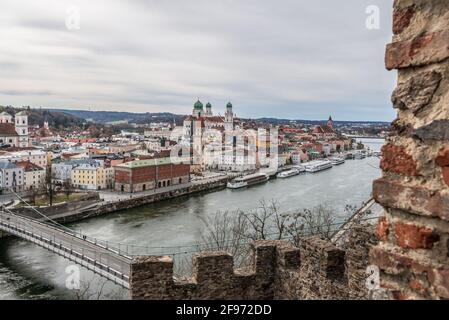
x: 62, y: 171
x: 11, y: 177
x: 35, y: 156
x: 34, y: 176
x: 21, y: 124
x: 201, y: 129
x: 14, y: 131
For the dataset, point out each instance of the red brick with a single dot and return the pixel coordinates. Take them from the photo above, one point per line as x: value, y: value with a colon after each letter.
x: 422, y: 50
x: 417, y: 200
x: 400, y: 295
x: 383, y: 229
x: 414, y: 237
x: 443, y: 161
x: 417, y: 285
x: 397, y: 263
x: 402, y: 18
x: 396, y: 159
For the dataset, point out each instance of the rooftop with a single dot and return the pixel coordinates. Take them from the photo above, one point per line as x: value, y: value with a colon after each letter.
x: 144, y: 163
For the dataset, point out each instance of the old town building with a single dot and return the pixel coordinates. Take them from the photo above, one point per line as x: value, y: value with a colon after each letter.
x: 141, y: 175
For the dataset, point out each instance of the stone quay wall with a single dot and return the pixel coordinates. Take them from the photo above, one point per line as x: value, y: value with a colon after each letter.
x: 79, y: 210
x: 137, y: 201
x: 315, y: 270
x: 413, y: 253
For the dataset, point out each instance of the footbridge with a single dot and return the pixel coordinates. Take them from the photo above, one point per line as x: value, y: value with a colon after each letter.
x: 98, y: 256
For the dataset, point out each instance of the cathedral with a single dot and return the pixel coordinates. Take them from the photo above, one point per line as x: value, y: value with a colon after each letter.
x: 205, y: 120
x: 14, y: 130
x: 202, y: 127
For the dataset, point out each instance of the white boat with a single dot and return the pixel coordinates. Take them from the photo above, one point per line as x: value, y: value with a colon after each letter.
x: 337, y: 161
x: 360, y: 155
x: 300, y: 168
x: 249, y: 180
x: 288, y: 173
x: 318, y: 165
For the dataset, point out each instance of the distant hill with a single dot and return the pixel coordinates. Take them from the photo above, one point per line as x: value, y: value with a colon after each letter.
x: 110, y: 116
x: 56, y: 119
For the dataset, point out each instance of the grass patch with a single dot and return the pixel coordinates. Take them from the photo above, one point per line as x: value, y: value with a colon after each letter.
x: 57, y: 198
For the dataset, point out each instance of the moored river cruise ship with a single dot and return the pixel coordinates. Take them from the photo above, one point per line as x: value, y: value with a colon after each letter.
x: 288, y: 173
x: 318, y: 165
x: 249, y: 180
x: 337, y: 161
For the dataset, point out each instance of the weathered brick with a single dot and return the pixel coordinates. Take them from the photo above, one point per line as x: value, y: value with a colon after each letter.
x: 396, y: 159
x: 416, y: 93
x: 422, y: 50
x: 437, y: 130
x: 399, y: 128
x: 414, y: 237
x: 440, y: 280
x: 418, y: 285
x: 402, y: 18
x: 417, y: 200
x: 396, y: 263
x: 383, y: 229
x: 443, y: 161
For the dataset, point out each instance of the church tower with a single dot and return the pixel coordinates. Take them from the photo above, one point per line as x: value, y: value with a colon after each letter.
x: 229, y: 118
x: 330, y: 123
x: 5, y: 117
x: 208, y: 110
x: 198, y: 109
x: 21, y: 125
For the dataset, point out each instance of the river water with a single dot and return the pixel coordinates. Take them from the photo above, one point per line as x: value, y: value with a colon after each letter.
x: 30, y: 272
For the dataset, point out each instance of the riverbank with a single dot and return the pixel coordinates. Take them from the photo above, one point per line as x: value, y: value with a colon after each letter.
x: 138, y: 201
x: 178, y: 224
x: 88, y: 208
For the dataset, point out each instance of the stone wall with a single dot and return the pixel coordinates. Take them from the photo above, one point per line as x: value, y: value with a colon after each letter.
x: 65, y: 207
x: 413, y: 254
x: 316, y: 270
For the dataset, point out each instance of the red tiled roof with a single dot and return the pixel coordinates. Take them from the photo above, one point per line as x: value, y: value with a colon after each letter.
x: 28, y: 166
x: 214, y: 119
x: 7, y: 129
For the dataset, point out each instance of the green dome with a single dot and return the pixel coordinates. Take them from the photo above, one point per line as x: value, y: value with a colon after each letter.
x: 198, y: 105
x: 229, y: 105
x: 208, y: 105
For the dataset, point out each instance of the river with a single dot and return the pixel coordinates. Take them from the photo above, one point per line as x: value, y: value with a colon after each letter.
x: 30, y: 272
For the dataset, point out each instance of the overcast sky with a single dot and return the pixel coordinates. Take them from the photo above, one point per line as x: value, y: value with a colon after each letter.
x: 286, y: 58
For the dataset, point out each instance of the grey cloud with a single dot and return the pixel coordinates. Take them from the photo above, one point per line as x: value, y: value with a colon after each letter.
x: 297, y: 59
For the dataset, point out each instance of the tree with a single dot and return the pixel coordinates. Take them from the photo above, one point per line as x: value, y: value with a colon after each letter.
x: 50, y: 186
x: 232, y: 231
x: 91, y: 289
x: 32, y: 193
x: 67, y: 188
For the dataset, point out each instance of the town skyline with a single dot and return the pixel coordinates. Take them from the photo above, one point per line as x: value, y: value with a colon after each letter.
x: 187, y: 112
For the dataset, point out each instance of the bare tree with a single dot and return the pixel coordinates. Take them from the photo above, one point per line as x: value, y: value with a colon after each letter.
x: 231, y: 231
x: 67, y: 188
x: 225, y: 231
x: 316, y: 221
x: 90, y: 291
x: 32, y: 193
x: 49, y: 185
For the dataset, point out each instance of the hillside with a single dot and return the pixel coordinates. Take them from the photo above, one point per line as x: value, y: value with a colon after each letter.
x: 56, y: 119
x: 111, y: 116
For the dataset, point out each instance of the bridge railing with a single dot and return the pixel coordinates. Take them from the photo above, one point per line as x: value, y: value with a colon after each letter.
x: 121, y: 249
x: 78, y: 255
